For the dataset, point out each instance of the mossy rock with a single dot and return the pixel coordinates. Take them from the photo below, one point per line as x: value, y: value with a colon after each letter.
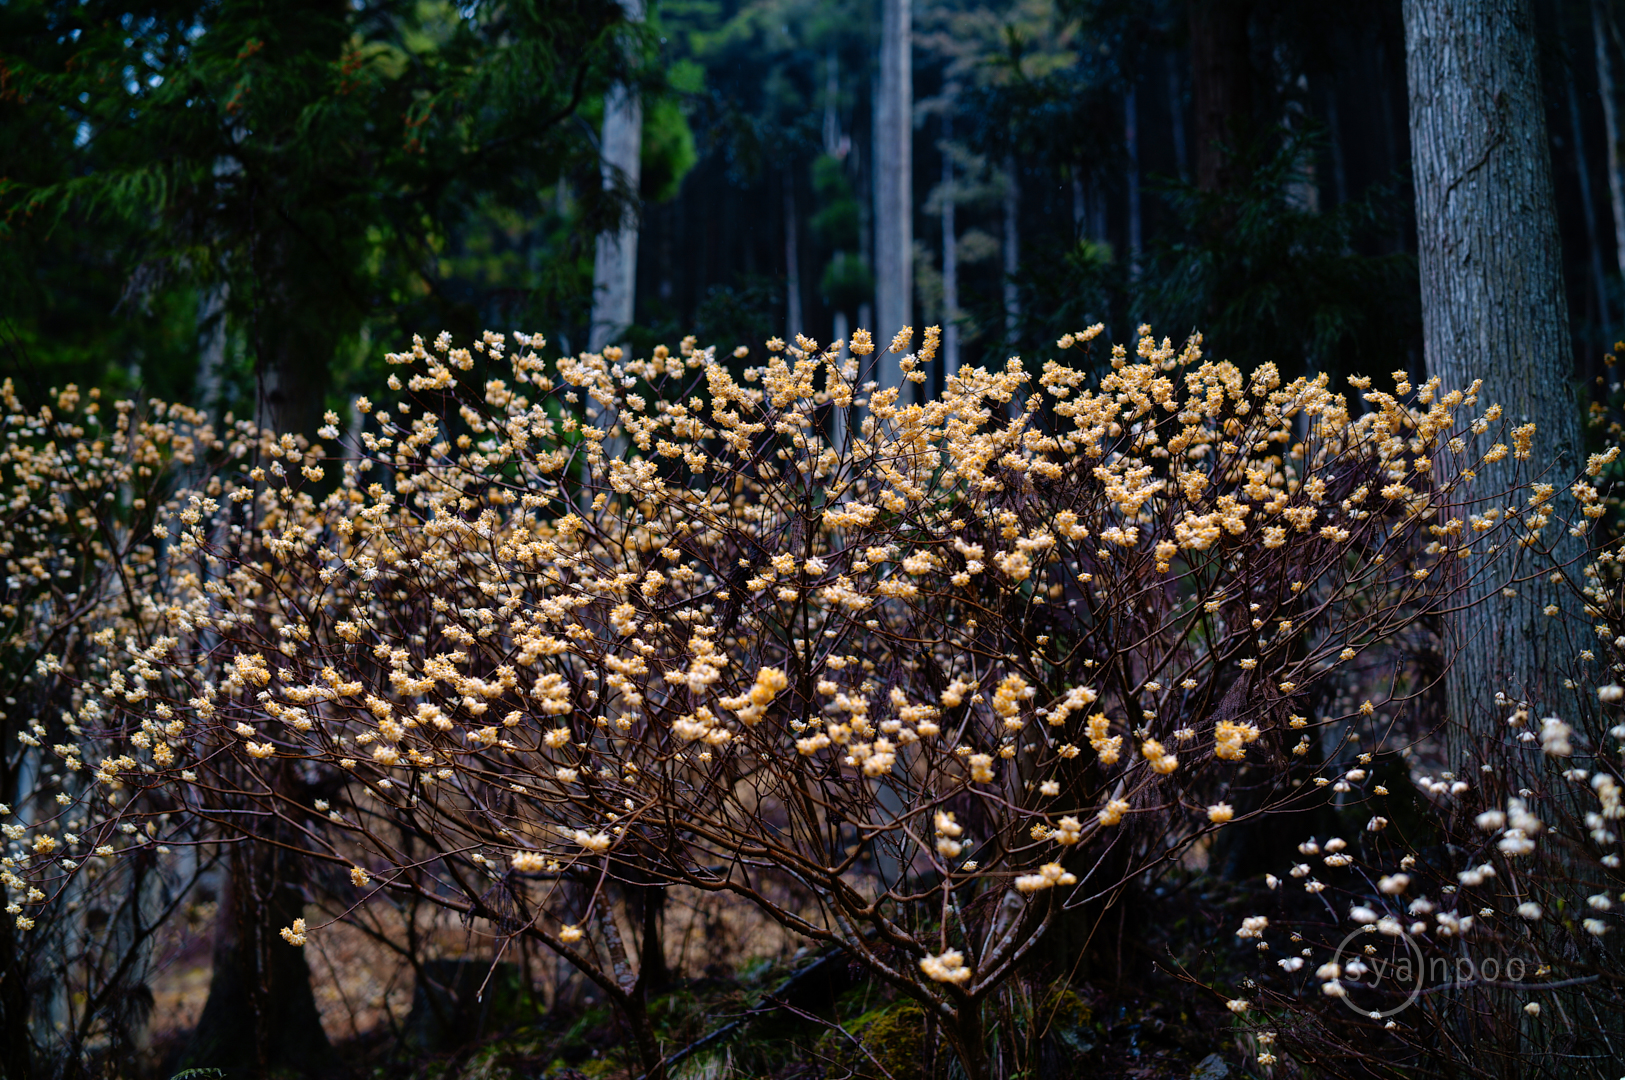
x: 506, y: 1059
x: 1069, y: 1020
x: 894, y: 1038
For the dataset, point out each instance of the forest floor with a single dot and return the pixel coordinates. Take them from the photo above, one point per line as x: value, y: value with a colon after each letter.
x: 1136, y: 1010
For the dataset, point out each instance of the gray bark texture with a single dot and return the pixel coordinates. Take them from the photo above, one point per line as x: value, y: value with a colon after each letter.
x: 894, y: 186
x: 1493, y: 307
x: 211, y: 334
x: 615, y: 263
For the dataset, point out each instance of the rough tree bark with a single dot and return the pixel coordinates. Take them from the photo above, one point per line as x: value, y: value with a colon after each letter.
x: 212, y: 340
x: 1493, y: 302
x: 615, y: 263
x: 894, y: 186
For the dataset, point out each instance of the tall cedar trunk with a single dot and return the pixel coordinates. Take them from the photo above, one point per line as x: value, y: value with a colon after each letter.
x: 1097, y: 209
x: 792, y: 261
x: 837, y: 415
x: 833, y: 147
x: 1012, y: 252
x: 1221, y: 87
x: 950, y: 257
x: 1610, y: 119
x: 1176, y: 116
x: 211, y: 347
x: 615, y: 263
x: 296, y: 330
x: 894, y: 186
x: 1493, y: 304
x: 1334, y: 141
x: 260, y: 1016
x: 832, y: 100
x: 1131, y: 142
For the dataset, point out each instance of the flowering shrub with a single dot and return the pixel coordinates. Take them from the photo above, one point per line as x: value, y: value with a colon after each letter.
x: 915, y: 683
x: 85, y: 481
x: 1491, y: 913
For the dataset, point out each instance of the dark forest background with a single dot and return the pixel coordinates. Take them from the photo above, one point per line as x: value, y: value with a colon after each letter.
x: 199, y: 195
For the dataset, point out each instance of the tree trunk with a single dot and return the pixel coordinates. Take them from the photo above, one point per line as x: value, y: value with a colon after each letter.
x: 1610, y: 118
x: 16, y: 1038
x: 832, y: 101
x: 295, y: 332
x: 1334, y: 139
x: 1493, y: 305
x: 1221, y: 87
x: 1097, y: 210
x: 837, y: 415
x: 792, y: 262
x: 1012, y: 252
x: 1582, y: 169
x: 615, y: 264
x: 894, y: 187
x: 950, y: 257
x: 1176, y: 116
x: 968, y: 1037
x: 260, y: 1015
x: 211, y: 347
x: 1131, y: 142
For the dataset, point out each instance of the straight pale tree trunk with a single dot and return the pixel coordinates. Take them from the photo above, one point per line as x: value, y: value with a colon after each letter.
x: 835, y: 145
x: 832, y: 100
x: 894, y: 187
x: 950, y: 256
x: 792, y: 262
x: 1494, y: 307
x: 615, y: 264
x: 837, y: 415
x: 1131, y: 142
x: 1012, y: 251
x: 211, y: 341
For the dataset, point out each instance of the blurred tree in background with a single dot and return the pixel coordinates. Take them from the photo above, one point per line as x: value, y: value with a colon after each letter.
x: 245, y: 195
x: 222, y: 200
